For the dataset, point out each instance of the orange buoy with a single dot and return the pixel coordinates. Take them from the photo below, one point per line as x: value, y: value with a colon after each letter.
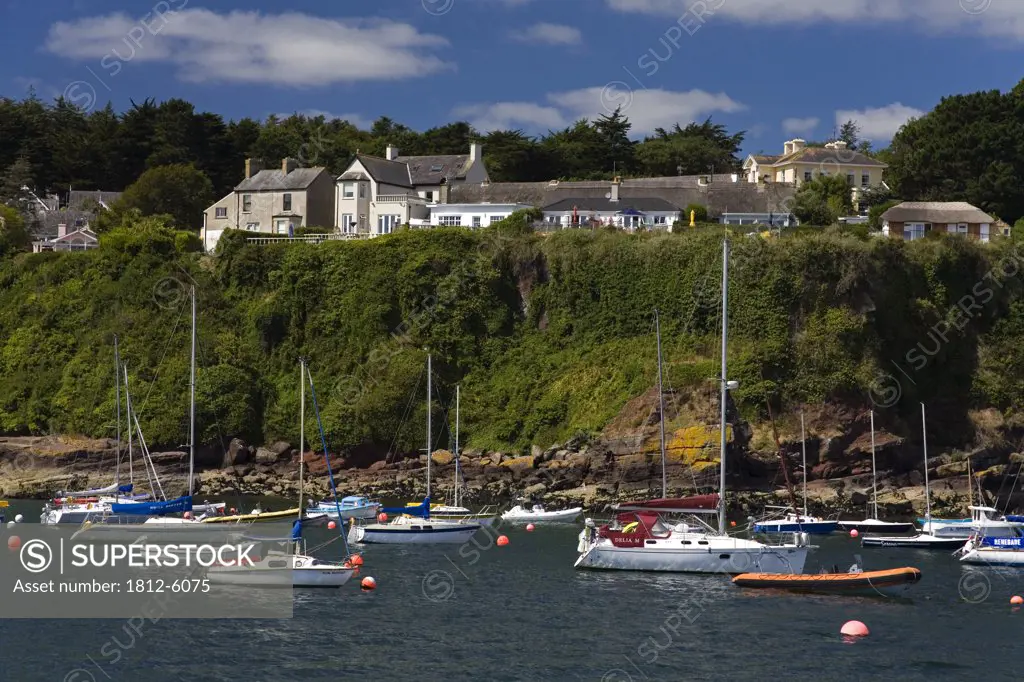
x: 368, y: 583
x: 356, y: 560
x: 187, y: 515
x: 1016, y: 600
x: 502, y: 540
x: 382, y: 518
x: 332, y: 525
x: 234, y: 511
x: 732, y: 523
x: 13, y: 543
x: 854, y: 533
x: 854, y: 628
x: 530, y: 527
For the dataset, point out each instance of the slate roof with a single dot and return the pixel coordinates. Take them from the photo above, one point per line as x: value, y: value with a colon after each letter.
x: 431, y: 170
x: 78, y: 199
x: 822, y: 154
x: 277, y: 181
x: 765, y: 159
x: 603, y: 204
x: 389, y: 172
x: 936, y: 212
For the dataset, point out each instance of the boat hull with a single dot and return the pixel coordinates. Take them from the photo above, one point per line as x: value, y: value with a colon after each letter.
x: 993, y: 556
x: 915, y: 542
x: 384, y: 534
x: 867, y: 583
x: 564, y: 516
x: 481, y: 519
x: 358, y: 513
x: 719, y: 560
x: 870, y: 526
x: 811, y: 528
x: 285, y: 515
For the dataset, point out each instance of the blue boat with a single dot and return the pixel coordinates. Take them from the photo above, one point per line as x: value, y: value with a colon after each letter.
x: 796, y: 523
x: 157, y: 508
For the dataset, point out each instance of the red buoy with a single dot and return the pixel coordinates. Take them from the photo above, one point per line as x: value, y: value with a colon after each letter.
x: 854, y: 533
x: 530, y: 527
x: 369, y: 583
x: 382, y: 518
x: 854, y: 628
x: 332, y: 525
x: 356, y: 560
x: 13, y: 543
x: 502, y: 540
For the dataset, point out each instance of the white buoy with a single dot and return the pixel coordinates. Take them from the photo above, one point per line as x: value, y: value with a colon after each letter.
x: 10, y: 524
x: 19, y: 518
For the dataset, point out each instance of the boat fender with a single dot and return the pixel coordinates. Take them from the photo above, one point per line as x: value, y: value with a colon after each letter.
x: 631, y: 527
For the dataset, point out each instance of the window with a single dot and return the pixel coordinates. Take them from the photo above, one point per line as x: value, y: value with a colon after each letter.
x: 222, y: 211
x: 553, y: 219
x: 849, y: 179
x: 252, y: 227
x: 287, y: 202
x: 660, y: 220
x: 957, y: 228
x: 912, y: 231
x: 79, y: 222
x: 246, y: 203
x: 386, y: 224
x: 429, y: 196
x: 347, y: 224
x: 362, y: 190
x: 348, y: 190
x: 983, y: 232
x: 476, y: 221
x: 807, y: 176
x: 865, y: 180
x: 283, y: 226
x: 453, y: 220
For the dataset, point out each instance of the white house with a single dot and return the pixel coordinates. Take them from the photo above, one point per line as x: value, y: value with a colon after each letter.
x: 629, y: 213
x: 81, y: 239
x: 472, y: 215
x: 375, y: 195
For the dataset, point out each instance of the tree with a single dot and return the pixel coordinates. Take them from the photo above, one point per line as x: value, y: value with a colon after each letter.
x: 13, y: 235
x: 849, y: 133
x: 876, y: 211
x: 694, y: 150
x: 823, y: 200
x: 16, y: 176
x: 178, y: 190
x: 700, y: 213
x: 618, y: 150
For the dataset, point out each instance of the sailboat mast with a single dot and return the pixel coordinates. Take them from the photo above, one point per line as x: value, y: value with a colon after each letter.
x: 803, y: 448
x: 927, y: 489
x: 192, y: 400
x: 428, y: 425
x: 874, y: 471
x: 724, y: 387
x: 970, y: 483
x: 302, y: 427
x: 456, y: 445
x: 117, y: 397
x: 128, y: 408
x: 661, y: 407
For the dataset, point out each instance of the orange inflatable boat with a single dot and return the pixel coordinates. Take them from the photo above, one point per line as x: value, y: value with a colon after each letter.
x: 892, y: 581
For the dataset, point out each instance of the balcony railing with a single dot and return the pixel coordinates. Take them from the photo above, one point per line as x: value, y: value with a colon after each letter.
x: 308, y: 238
x: 400, y: 199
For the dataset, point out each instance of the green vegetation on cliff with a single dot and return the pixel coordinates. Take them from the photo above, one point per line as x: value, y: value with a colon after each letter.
x: 548, y: 336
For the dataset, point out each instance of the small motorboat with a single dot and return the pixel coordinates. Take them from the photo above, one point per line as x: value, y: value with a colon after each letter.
x: 874, y: 526
x: 792, y: 522
x: 538, y: 514
x: 857, y: 582
x: 919, y: 541
x: 352, y: 507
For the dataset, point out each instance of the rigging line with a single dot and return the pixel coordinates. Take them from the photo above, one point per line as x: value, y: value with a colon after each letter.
x: 405, y: 417
x: 327, y: 459
x: 216, y: 420
x: 156, y: 375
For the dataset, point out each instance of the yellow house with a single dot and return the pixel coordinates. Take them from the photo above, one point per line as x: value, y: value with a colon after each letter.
x: 799, y: 163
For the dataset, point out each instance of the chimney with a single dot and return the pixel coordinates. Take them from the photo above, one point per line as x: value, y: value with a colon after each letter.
x: 252, y: 167
x: 442, y: 193
x: 799, y: 144
x: 615, y: 188
x: 476, y: 152
x: 392, y: 153
x: 62, y: 230
x: 288, y: 165
x: 839, y: 144
x: 787, y: 149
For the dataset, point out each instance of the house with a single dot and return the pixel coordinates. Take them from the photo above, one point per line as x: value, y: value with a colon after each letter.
x: 276, y: 201
x: 472, y: 215
x: 81, y: 209
x: 375, y: 195
x: 914, y: 219
x: 799, y: 163
x: 781, y: 219
x: 628, y: 213
x: 81, y: 239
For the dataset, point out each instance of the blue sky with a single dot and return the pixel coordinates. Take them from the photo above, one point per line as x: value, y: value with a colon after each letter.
x: 775, y: 68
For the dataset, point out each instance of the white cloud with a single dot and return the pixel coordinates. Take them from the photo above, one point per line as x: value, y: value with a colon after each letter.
x: 800, y: 126
x: 550, y: 34
x: 290, y: 49
x: 646, y: 109
x: 357, y: 120
x: 880, y: 123
x: 986, y: 17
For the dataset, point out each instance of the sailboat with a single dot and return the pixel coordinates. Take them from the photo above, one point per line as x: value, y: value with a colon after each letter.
x: 455, y: 511
x: 792, y: 522
x: 645, y: 538
x: 414, y: 525
x: 924, y: 540
x: 293, y: 568
x: 873, y: 524
x: 985, y: 521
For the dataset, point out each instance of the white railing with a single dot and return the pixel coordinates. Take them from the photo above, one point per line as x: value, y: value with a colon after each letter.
x: 309, y: 238
x: 400, y: 199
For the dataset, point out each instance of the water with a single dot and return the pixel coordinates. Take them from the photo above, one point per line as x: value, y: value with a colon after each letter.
x: 522, y: 612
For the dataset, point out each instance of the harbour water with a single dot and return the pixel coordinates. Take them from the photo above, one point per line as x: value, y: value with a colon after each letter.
x: 522, y: 612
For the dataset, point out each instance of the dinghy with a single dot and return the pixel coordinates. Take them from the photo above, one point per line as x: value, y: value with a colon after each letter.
x: 538, y: 514
x: 857, y: 582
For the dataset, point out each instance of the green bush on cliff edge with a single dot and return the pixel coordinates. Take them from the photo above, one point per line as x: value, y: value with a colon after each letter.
x: 548, y: 336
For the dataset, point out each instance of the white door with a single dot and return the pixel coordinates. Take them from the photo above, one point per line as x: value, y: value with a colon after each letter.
x: 282, y: 227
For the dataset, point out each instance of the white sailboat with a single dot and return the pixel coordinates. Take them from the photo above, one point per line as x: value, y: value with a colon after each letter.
x: 924, y: 540
x: 873, y: 524
x: 415, y: 525
x: 644, y: 538
x: 292, y: 568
